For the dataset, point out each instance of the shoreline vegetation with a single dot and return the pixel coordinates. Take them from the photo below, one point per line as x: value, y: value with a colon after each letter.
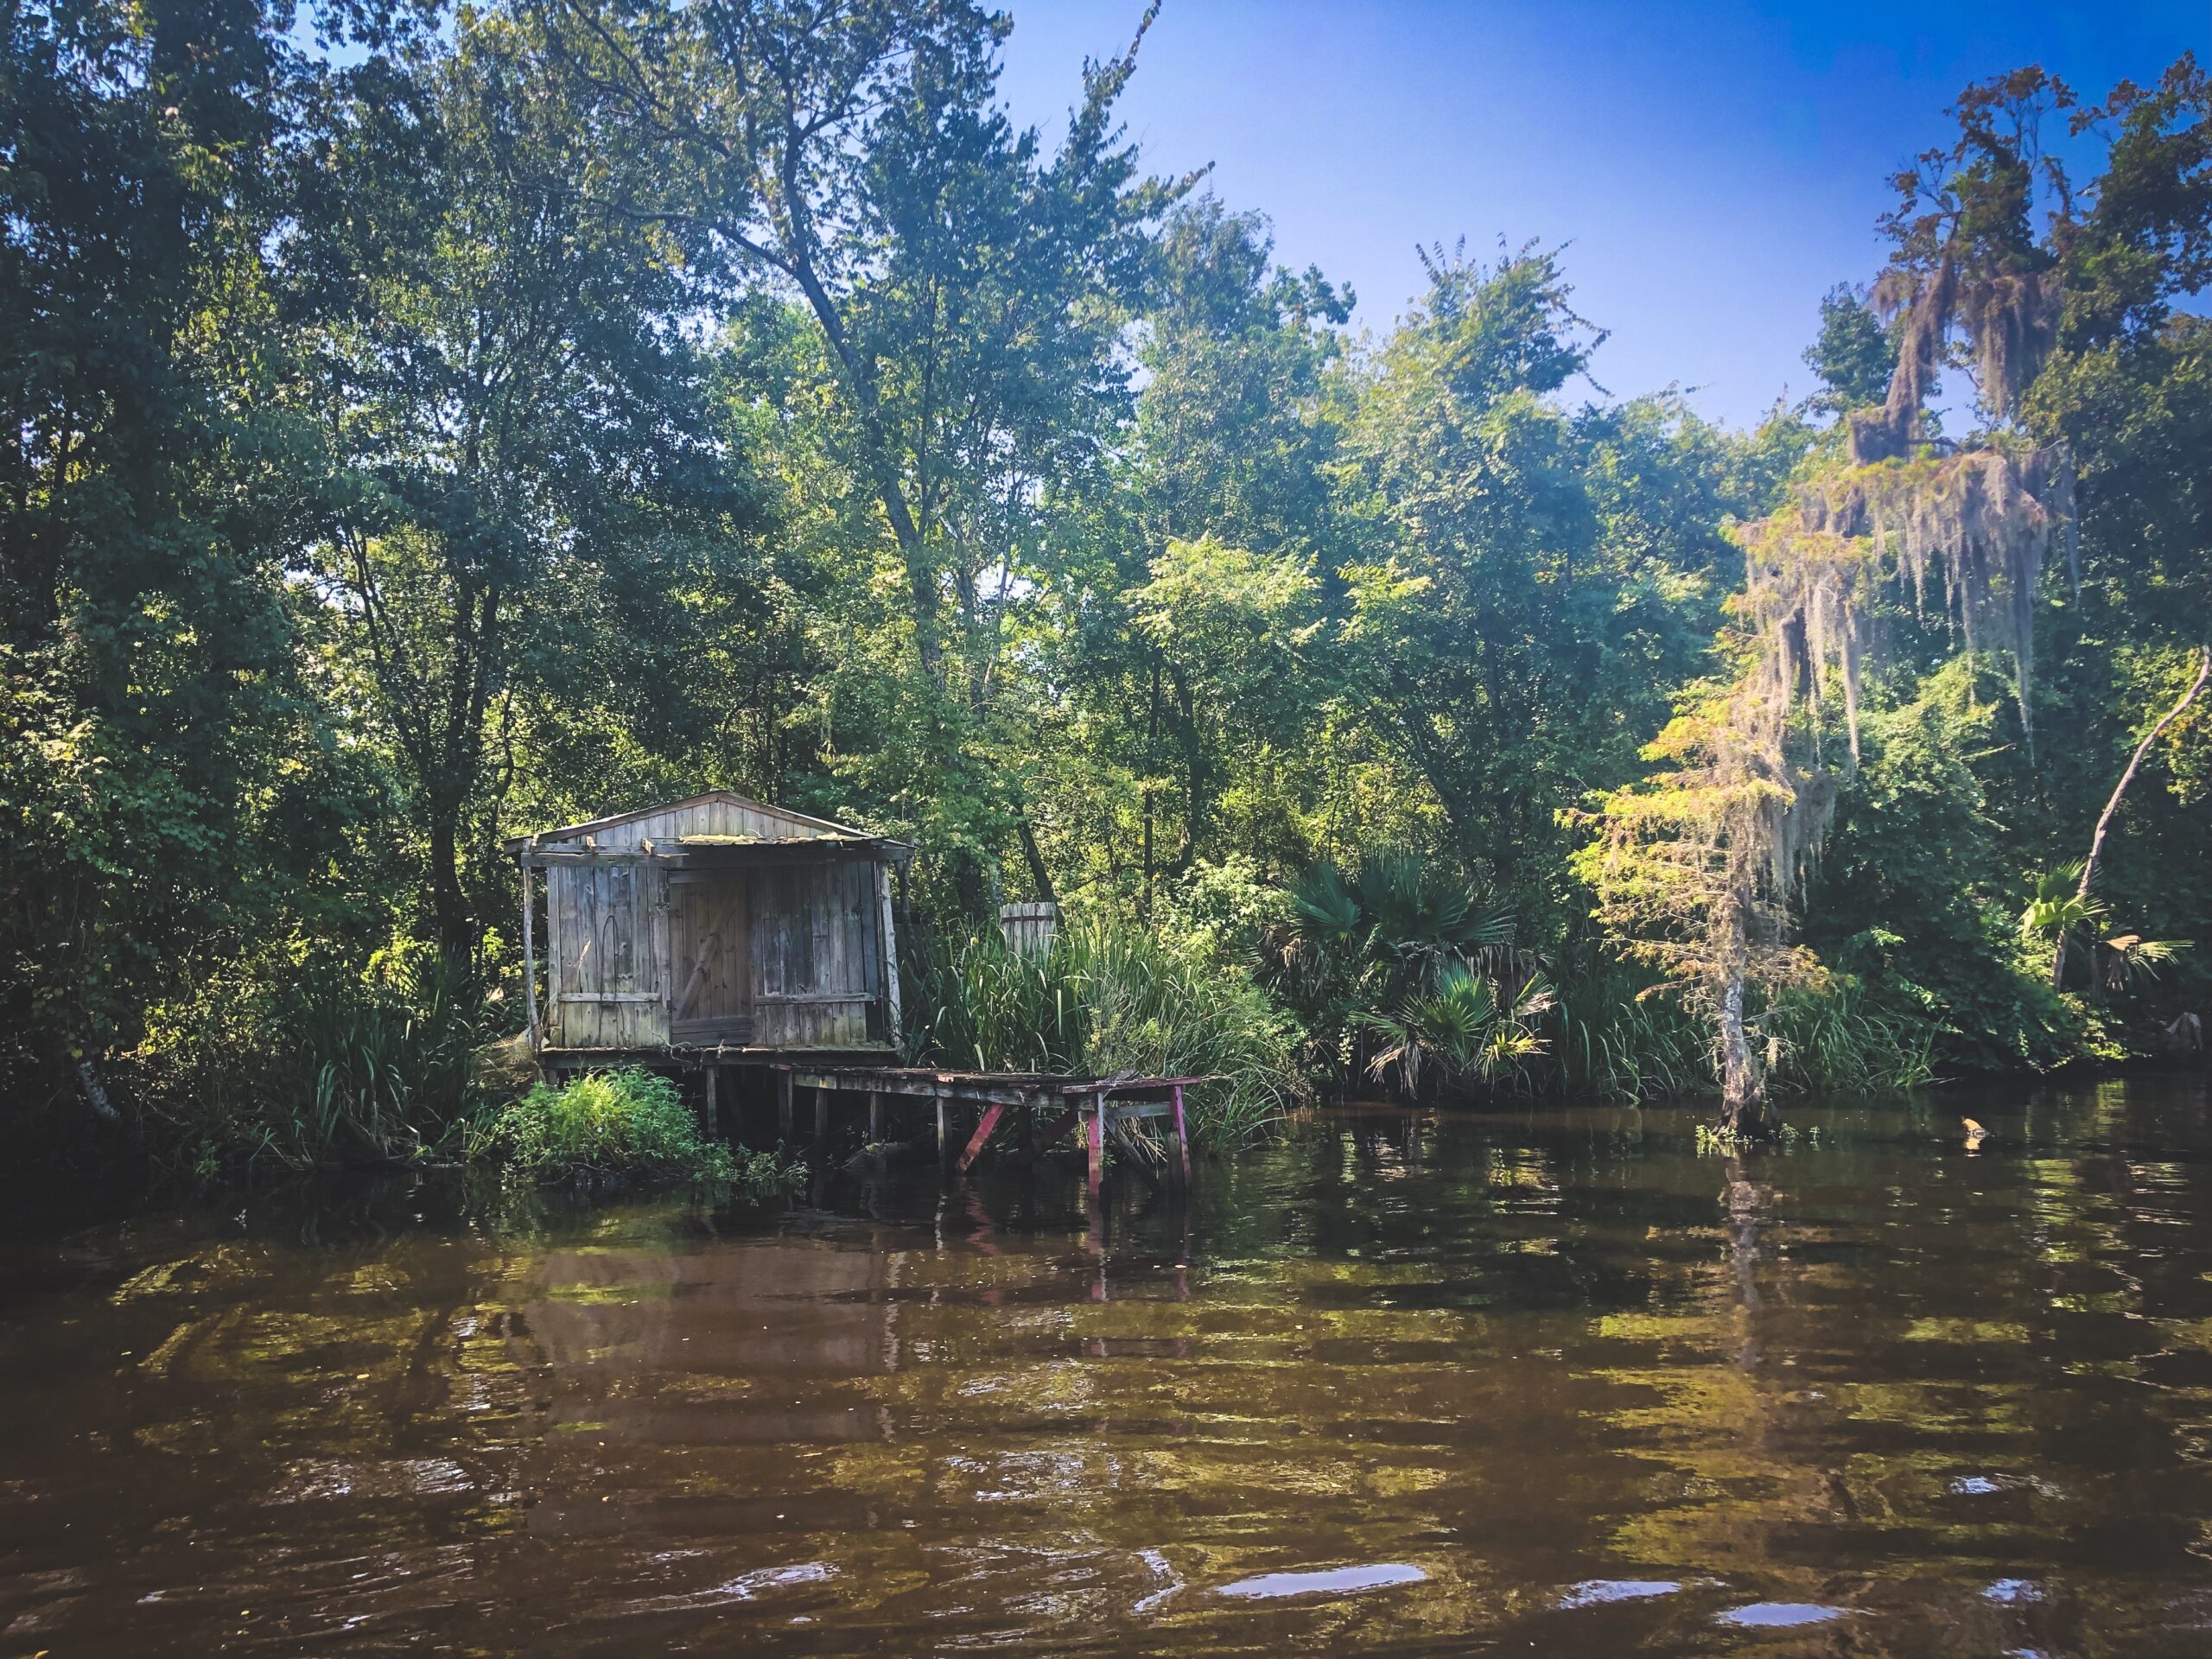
x: 418, y: 433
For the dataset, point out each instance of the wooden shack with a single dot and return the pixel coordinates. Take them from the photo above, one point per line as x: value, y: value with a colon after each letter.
x: 715, y: 925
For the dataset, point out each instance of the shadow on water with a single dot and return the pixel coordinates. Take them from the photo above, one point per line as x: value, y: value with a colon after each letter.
x: 1418, y: 1383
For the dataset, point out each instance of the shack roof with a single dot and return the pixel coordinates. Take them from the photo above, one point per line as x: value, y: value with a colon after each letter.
x: 804, y: 826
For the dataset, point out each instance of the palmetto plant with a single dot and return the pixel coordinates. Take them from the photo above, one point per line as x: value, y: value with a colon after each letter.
x: 1402, y: 969
x: 1463, y: 1030
x: 2126, y: 959
x: 2063, y: 911
x: 2060, y: 912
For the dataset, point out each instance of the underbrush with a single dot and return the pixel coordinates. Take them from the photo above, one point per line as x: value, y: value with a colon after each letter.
x: 1107, y: 1001
x: 307, y: 1066
x: 1609, y: 1037
x: 628, y: 1124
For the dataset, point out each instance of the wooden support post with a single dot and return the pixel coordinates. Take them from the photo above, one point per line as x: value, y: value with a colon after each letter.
x: 875, y: 1117
x: 940, y: 1128
x: 1094, y: 1141
x: 1182, y: 1165
x: 714, y: 1108
x: 529, y: 960
x: 784, y: 1104
x: 820, y: 1114
x: 1058, y: 1126
x: 990, y: 1120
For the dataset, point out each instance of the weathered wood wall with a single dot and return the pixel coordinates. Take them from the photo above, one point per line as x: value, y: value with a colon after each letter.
x: 1029, y: 929
x: 711, y: 960
x: 706, y: 818
x: 775, y: 955
x: 608, y: 985
x: 818, y: 955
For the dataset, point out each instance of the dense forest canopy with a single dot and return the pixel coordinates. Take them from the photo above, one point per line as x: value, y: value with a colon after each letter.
x: 425, y: 425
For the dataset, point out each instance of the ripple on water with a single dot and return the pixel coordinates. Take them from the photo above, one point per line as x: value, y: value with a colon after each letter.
x: 1323, y: 1581
x: 1592, y: 1593
x: 1781, y: 1615
x: 745, y: 1587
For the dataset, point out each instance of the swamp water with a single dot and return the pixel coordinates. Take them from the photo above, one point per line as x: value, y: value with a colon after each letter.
x: 1550, y: 1381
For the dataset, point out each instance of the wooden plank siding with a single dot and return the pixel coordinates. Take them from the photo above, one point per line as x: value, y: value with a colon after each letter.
x: 817, y: 956
x: 608, y: 925
x: 760, y: 948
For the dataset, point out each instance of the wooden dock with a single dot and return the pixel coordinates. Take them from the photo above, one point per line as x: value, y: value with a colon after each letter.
x: 1100, y: 1108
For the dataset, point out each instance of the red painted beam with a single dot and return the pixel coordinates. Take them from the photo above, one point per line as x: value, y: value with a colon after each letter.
x: 991, y: 1115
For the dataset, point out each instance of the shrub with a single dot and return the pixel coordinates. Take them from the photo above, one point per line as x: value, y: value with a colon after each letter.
x: 1405, y: 973
x: 624, y: 1124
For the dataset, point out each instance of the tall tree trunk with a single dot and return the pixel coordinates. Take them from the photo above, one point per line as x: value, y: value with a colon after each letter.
x: 1035, y: 855
x: 448, y: 904
x: 1744, y: 1107
x: 2112, y: 807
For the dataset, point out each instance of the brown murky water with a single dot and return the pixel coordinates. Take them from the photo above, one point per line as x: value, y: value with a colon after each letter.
x: 1421, y: 1385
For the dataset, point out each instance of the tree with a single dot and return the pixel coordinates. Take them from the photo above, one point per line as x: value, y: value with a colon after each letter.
x: 1693, y: 870
x: 166, y: 775
x: 1906, y: 511
x: 1192, y: 590
x: 522, y: 423
x: 968, y: 290
x: 1853, y: 355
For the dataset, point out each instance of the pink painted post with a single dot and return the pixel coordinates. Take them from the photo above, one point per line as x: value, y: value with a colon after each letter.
x: 990, y: 1121
x: 1182, y: 1139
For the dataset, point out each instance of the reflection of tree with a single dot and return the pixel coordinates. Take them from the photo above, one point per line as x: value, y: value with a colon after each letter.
x: 1872, y: 1372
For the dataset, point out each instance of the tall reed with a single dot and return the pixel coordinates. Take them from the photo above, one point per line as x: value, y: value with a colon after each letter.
x: 1607, y: 1036
x: 1106, y: 1001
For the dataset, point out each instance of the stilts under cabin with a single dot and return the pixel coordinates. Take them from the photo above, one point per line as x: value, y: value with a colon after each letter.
x: 750, y: 944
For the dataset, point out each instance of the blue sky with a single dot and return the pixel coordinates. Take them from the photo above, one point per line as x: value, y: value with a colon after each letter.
x: 1713, y: 169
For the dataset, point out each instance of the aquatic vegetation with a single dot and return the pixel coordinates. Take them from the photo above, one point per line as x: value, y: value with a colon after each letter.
x: 306, y: 1066
x: 1606, y: 1036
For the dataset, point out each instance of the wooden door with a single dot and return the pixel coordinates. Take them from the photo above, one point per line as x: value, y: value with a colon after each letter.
x: 710, y: 957
x: 608, y: 937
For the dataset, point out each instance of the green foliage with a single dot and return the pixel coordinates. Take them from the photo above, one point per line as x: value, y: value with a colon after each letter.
x: 1110, y: 1002
x: 1613, y: 1035
x: 1838, y: 1040
x: 1853, y: 355
x: 1609, y: 1036
x: 628, y: 1123
x: 444, y: 425
x: 304, y: 1064
x: 2057, y: 914
x: 1405, y: 974
x: 1460, y: 1028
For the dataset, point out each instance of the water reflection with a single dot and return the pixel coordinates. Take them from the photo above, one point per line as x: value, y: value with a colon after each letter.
x: 1417, y: 1384
x: 1325, y: 1581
